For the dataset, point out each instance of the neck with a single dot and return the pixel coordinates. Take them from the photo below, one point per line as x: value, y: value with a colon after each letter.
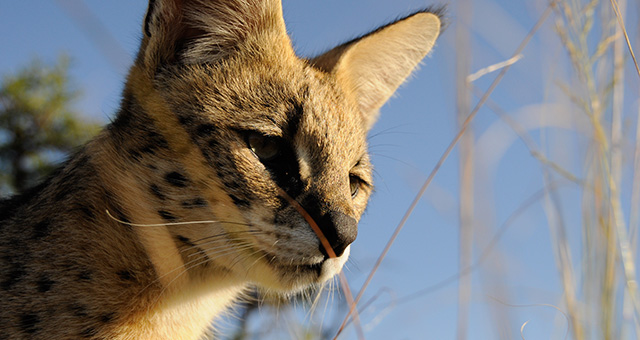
x: 149, y: 192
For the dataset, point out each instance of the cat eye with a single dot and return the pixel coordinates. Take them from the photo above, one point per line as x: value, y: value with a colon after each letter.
x: 266, y: 148
x: 354, y: 185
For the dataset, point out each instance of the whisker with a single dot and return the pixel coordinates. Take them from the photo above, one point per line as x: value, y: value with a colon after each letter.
x: 216, y: 249
x: 218, y: 238
x: 258, y: 259
x: 158, y: 224
x: 253, y: 231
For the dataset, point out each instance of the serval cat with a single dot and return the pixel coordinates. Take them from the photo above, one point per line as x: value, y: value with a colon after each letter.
x: 226, y: 151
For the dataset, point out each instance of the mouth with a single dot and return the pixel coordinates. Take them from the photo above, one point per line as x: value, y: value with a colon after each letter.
x: 297, y: 268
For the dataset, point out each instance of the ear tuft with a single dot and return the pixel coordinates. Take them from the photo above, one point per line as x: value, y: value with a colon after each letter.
x: 372, y: 67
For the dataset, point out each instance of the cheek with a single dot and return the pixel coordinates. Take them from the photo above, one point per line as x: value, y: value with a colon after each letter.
x: 360, y: 203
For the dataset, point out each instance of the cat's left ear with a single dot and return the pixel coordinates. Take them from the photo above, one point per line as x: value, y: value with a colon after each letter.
x: 371, y: 68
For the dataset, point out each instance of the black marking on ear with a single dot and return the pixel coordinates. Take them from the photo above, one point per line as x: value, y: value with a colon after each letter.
x: 147, y: 18
x: 155, y: 190
x: 41, y: 229
x: 176, y: 179
x: 29, y: 323
x: 167, y: 216
x: 126, y: 275
x: 44, y: 284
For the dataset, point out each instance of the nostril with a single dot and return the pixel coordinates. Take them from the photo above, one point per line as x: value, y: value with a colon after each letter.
x: 340, y: 230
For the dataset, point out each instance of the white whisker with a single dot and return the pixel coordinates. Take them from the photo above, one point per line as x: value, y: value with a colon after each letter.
x: 158, y: 224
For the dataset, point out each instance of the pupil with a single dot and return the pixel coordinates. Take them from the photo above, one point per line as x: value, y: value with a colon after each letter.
x: 264, y: 147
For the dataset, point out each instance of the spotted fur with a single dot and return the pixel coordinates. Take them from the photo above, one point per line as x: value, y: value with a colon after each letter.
x: 106, y: 248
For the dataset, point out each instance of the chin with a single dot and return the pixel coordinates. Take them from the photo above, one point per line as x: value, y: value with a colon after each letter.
x: 292, y: 278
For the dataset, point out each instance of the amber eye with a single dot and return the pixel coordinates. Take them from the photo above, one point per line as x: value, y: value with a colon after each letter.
x: 266, y: 148
x: 354, y: 184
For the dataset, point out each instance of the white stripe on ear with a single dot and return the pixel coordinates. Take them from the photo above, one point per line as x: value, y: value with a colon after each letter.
x: 371, y: 68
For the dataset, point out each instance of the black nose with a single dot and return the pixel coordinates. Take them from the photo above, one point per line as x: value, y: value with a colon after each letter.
x: 339, y: 229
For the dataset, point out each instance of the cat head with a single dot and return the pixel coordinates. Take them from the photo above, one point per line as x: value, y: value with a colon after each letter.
x: 280, y: 141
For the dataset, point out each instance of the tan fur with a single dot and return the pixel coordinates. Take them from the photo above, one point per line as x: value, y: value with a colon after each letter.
x: 155, y: 227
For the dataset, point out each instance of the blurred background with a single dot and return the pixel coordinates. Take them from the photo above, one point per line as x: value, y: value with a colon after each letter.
x: 528, y: 230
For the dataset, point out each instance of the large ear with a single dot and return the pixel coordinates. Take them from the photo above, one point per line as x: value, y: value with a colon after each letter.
x: 189, y: 31
x: 372, y: 67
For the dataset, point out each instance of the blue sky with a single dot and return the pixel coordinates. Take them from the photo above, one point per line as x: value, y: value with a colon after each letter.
x: 414, y: 129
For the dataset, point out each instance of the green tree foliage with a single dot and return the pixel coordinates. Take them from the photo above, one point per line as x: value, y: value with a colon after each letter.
x: 38, y: 126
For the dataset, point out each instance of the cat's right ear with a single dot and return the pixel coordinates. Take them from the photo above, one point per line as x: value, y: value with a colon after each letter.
x: 195, y: 31
x: 165, y: 32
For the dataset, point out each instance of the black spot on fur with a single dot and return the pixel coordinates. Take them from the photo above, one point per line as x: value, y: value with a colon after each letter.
x: 155, y: 190
x: 240, y: 202
x: 29, y: 323
x: 89, y: 332
x: 185, y: 120
x: 135, y: 155
x: 213, y: 143
x: 167, y: 216
x: 156, y: 141
x: 108, y: 317
x: 149, y: 149
x: 85, y: 275
x: 185, y: 240
x: 79, y: 310
x: 44, y: 284
x: 16, y: 273
x: 205, y: 130
x: 87, y: 212
x: 176, y: 179
x: 231, y: 185
x: 125, y: 275
x: 293, y: 118
x: 219, y: 164
x: 41, y: 229
x: 195, y: 203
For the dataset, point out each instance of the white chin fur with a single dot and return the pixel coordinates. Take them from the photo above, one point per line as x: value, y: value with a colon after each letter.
x: 331, y: 267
